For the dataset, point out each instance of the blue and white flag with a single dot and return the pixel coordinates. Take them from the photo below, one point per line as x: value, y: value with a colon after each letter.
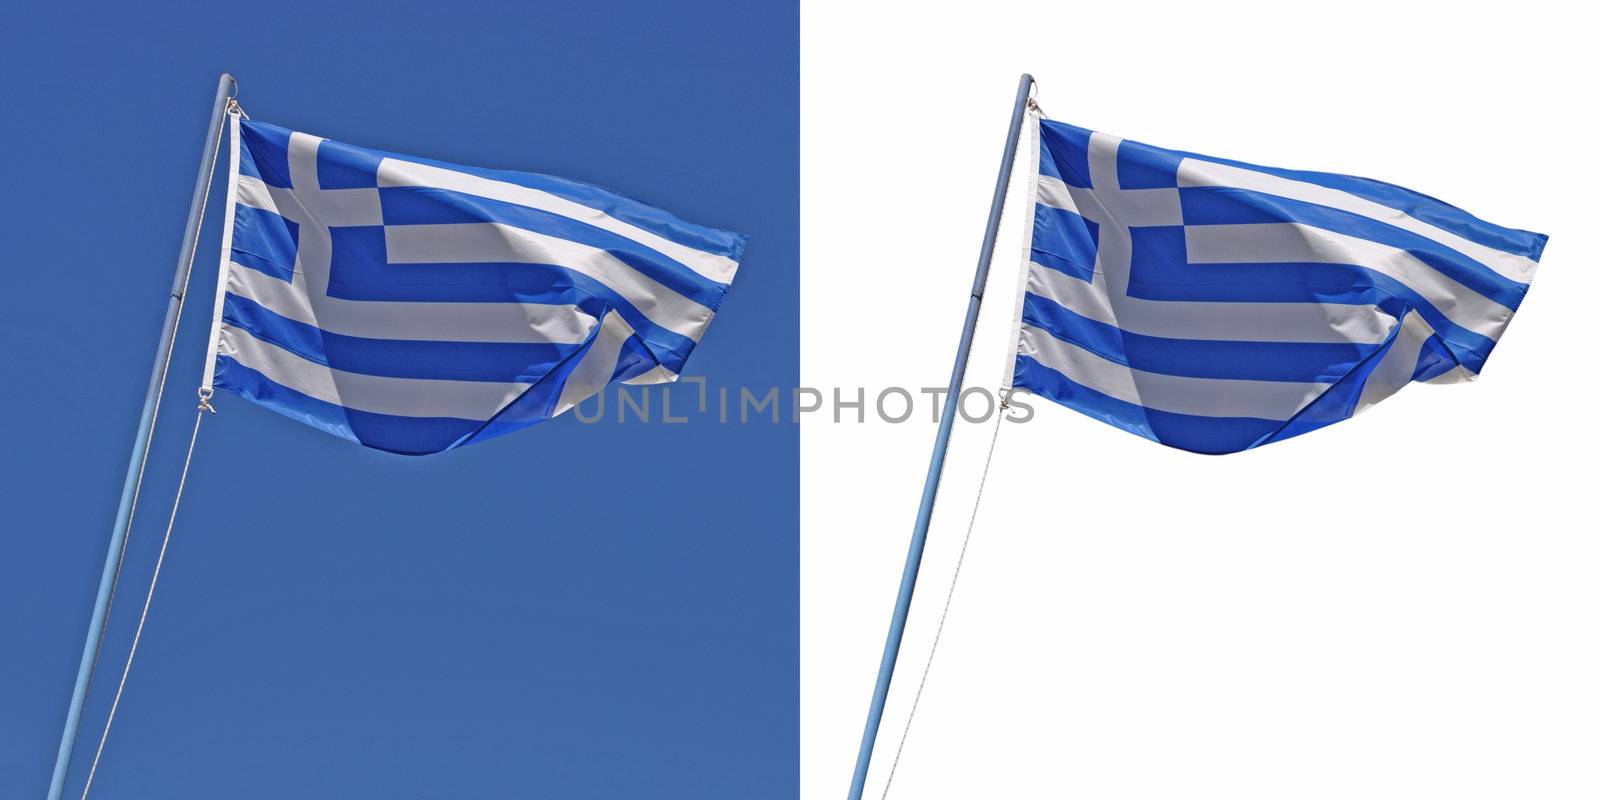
x: 416, y: 306
x: 1215, y: 306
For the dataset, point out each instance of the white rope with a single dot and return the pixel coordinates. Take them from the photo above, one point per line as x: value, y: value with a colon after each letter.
x: 149, y: 595
x: 949, y: 596
x: 144, y: 458
x: 1005, y: 403
x: 138, y: 483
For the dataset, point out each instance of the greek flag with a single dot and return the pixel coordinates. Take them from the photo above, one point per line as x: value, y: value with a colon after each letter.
x: 416, y: 306
x: 1214, y: 306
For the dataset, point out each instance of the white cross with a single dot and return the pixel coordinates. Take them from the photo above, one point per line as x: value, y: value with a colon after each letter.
x: 317, y: 211
x: 1117, y: 211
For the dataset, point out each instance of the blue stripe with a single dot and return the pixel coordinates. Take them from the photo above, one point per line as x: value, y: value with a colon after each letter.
x: 1434, y: 360
x: 1209, y: 435
x: 264, y: 153
x: 1143, y: 166
x: 1068, y: 268
x: 498, y: 362
x: 1197, y: 434
x: 634, y: 360
x: 359, y: 270
x: 1064, y: 153
x: 1140, y: 166
x: 403, y: 435
x: 1223, y: 206
x: 633, y: 212
x: 1065, y: 241
x: 425, y: 206
x: 1415, y: 204
x: 1214, y: 435
x: 1160, y: 271
x: 343, y: 166
x: 409, y: 435
x: 1300, y: 362
x: 539, y: 403
x: 265, y: 241
x: 1338, y: 402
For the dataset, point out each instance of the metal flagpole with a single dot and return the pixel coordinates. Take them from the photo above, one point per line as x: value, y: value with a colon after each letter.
x: 919, y: 533
x: 141, y: 442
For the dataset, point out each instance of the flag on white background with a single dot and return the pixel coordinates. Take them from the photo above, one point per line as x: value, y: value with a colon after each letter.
x: 1214, y: 306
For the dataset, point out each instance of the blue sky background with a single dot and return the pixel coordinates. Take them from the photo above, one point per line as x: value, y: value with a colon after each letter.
x: 572, y: 611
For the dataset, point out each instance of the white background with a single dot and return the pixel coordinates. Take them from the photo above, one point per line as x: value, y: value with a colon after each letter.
x: 1404, y: 605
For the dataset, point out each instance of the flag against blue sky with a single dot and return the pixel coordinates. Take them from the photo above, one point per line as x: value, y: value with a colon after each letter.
x: 416, y: 306
x: 1213, y: 305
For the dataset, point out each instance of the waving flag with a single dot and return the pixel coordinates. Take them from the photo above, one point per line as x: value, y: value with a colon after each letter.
x: 415, y: 306
x: 1214, y: 306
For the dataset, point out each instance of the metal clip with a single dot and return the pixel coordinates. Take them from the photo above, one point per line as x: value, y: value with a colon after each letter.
x: 205, y: 400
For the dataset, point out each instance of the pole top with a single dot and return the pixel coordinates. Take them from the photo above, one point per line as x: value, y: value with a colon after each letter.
x: 1028, y: 90
x: 233, y: 84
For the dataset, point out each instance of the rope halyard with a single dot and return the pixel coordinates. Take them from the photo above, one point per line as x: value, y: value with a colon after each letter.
x: 1033, y: 102
x: 1029, y: 156
x: 983, y: 479
x: 138, y: 485
x: 144, y: 614
x: 161, y: 387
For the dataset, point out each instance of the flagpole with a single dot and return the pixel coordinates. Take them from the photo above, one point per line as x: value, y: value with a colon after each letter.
x: 147, y: 417
x: 919, y: 533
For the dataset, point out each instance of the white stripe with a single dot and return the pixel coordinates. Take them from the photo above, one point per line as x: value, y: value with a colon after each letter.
x: 654, y: 375
x: 392, y: 172
x: 1129, y: 208
x: 324, y: 207
x: 1206, y: 397
x: 1192, y: 172
x: 1253, y: 322
x: 1101, y: 154
x: 1395, y: 369
x: 404, y: 397
x: 419, y: 321
x: 1008, y: 369
x: 1055, y: 193
x: 301, y: 156
x: 1456, y: 374
x: 1291, y: 242
x: 434, y: 322
x: 594, y: 370
x: 224, y: 262
x: 494, y: 242
x: 255, y: 194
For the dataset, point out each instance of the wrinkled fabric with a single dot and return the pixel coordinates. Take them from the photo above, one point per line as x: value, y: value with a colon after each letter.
x: 1215, y: 306
x: 416, y: 306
